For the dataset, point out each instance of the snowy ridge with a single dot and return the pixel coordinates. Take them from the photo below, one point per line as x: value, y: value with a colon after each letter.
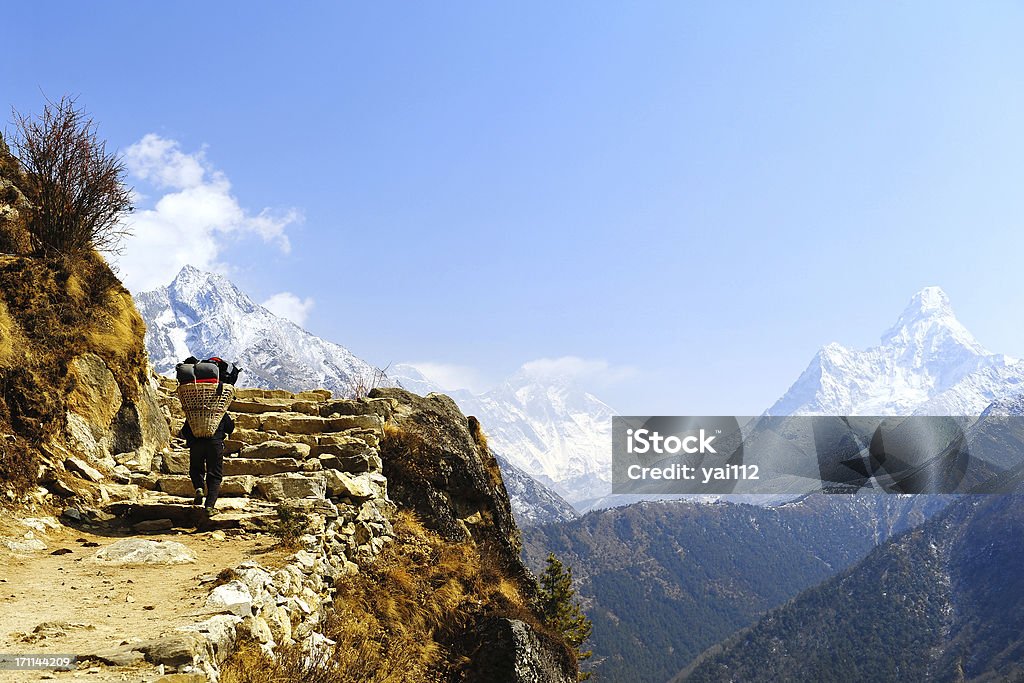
x: 549, y: 427
x: 204, y: 314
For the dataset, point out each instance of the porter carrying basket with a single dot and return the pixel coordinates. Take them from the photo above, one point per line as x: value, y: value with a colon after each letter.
x: 204, y: 405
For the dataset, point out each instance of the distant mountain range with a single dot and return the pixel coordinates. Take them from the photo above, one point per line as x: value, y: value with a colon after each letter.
x: 549, y: 427
x: 664, y: 581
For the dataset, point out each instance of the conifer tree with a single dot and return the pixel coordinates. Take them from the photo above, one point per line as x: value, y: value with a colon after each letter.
x: 560, y: 610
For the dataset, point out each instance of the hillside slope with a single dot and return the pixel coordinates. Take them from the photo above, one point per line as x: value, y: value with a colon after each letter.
x: 944, y: 602
x: 663, y: 581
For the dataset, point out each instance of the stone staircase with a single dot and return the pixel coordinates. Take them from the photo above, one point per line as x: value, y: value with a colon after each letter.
x: 307, y: 449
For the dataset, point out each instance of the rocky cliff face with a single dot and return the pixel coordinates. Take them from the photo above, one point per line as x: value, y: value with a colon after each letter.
x: 438, y: 465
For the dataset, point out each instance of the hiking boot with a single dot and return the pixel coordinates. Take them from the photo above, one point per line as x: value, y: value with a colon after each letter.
x: 210, y: 512
x: 198, y: 500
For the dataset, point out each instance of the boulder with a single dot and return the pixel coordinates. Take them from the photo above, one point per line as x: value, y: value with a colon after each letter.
x: 178, y: 649
x: 94, y: 396
x: 510, y: 651
x: 143, y: 551
x: 281, y: 487
x: 176, y: 486
x: 175, y: 461
x: 367, y: 461
x: 435, y: 467
x: 25, y: 546
x: 255, y: 629
x: 83, y: 469
x: 233, y: 597
x: 344, y: 485
x: 239, y: 485
x: 280, y: 624
x: 276, y: 449
x: 124, y: 655
x: 140, y: 426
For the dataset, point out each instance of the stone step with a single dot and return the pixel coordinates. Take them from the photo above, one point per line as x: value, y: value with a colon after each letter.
x: 251, y: 437
x: 281, y: 487
x: 276, y: 449
x: 232, y: 486
x: 253, y: 515
x: 260, y: 466
x: 275, y: 405
x: 312, y: 395
x: 176, y: 461
x: 308, y: 424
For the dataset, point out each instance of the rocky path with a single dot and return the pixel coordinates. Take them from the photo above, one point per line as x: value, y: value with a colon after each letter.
x: 71, y: 603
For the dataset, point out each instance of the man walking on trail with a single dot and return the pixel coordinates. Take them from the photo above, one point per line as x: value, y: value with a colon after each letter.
x: 206, y: 461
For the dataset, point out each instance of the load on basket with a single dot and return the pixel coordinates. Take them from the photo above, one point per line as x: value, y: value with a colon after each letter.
x: 206, y: 389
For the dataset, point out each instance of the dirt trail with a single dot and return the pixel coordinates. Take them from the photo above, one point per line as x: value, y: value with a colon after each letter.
x: 107, y: 606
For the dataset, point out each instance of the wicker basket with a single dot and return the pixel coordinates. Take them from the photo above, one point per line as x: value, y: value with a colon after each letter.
x: 205, y: 405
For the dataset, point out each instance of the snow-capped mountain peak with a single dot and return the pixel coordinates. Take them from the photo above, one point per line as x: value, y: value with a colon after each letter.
x: 927, y: 362
x: 204, y: 314
x: 929, y: 324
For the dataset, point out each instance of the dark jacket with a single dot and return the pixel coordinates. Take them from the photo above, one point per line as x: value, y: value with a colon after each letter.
x: 224, y: 429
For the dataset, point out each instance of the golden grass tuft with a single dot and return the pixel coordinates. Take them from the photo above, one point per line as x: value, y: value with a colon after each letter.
x: 490, y: 462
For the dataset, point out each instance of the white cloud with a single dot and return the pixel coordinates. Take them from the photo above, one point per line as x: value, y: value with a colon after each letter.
x: 192, y: 221
x: 161, y: 162
x: 595, y: 370
x: 451, y: 377
x: 287, y: 305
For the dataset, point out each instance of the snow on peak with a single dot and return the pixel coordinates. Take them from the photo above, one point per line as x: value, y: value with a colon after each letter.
x: 930, y: 300
x: 929, y: 319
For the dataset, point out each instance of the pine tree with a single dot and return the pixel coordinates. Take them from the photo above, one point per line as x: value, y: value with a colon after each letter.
x: 560, y: 610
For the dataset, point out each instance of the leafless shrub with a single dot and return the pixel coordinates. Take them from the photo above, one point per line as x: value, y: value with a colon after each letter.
x: 76, y: 186
x: 360, y: 386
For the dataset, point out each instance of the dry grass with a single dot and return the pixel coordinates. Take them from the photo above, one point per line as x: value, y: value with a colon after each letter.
x: 292, y: 523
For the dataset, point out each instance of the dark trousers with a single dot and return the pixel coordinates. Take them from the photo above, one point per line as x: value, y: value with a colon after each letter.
x: 206, y: 460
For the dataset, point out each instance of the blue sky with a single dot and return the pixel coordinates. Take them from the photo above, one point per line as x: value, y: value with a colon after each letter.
x: 690, y: 197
